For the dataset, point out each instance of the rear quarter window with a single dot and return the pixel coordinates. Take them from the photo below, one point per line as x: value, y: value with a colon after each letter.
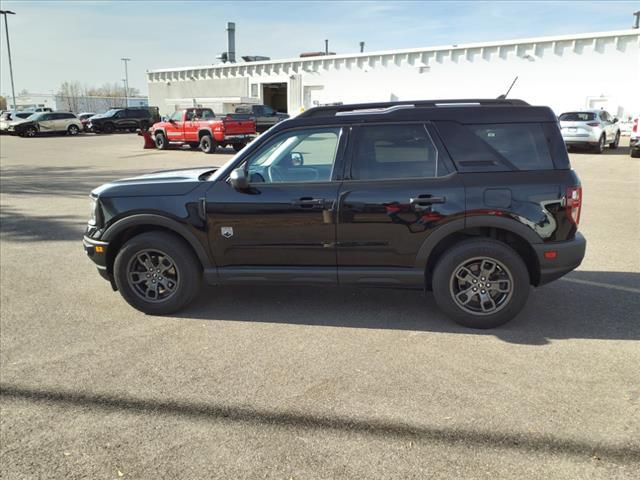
x: 497, y: 147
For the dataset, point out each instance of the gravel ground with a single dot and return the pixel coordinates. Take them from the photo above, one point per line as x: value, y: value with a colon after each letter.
x: 304, y: 383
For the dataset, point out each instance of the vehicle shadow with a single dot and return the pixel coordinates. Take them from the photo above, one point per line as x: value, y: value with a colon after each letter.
x: 620, y: 151
x: 579, y: 307
x: 26, y: 180
x: 17, y: 226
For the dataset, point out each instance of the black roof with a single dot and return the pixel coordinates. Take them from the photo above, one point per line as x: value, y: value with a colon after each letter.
x: 467, y: 111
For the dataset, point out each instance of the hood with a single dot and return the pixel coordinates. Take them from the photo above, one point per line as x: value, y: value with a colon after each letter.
x: 164, y: 183
x: 98, y: 116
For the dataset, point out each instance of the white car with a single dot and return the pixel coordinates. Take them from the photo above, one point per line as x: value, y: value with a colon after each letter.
x: 46, y: 122
x: 634, y: 138
x: 7, y: 117
x: 590, y: 128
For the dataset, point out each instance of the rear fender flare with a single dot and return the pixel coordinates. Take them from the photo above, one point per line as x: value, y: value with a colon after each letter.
x: 158, y: 220
x: 460, y: 224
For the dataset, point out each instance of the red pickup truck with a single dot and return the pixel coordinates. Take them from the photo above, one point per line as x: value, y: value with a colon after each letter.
x: 199, y: 127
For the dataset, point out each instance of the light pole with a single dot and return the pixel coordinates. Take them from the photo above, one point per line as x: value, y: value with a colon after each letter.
x: 6, y: 29
x: 126, y: 82
x: 124, y: 85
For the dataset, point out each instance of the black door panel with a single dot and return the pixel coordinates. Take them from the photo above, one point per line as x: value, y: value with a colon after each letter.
x: 273, y: 224
x: 379, y: 225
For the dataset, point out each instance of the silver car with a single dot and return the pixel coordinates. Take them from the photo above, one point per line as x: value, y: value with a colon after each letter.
x: 590, y: 128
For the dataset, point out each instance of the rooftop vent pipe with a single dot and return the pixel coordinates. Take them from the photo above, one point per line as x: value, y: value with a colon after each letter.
x: 231, y: 42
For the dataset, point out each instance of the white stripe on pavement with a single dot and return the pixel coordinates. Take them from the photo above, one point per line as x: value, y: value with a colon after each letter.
x: 603, y: 285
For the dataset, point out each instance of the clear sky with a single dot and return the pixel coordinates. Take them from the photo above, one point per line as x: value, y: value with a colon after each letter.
x: 83, y: 41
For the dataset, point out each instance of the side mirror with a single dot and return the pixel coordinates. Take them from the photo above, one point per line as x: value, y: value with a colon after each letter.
x: 615, y: 120
x: 239, y: 179
x: 297, y: 159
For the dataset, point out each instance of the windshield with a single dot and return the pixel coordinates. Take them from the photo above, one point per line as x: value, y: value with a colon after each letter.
x: 577, y: 117
x: 35, y: 116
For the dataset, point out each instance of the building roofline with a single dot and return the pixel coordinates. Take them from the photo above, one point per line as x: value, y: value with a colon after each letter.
x: 501, y: 43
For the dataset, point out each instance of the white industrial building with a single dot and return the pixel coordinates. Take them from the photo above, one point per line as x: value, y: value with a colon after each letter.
x: 591, y: 70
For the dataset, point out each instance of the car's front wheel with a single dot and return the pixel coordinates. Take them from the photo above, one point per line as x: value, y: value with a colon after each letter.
x: 161, y: 141
x: 601, y: 144
x: 73, y: 130
x: 30, y: 132
x: 616, y: 141
x: 157, y: 273
x: 481, y: 283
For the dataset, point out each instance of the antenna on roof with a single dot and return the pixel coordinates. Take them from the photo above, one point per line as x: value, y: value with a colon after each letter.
x: 502, y: 97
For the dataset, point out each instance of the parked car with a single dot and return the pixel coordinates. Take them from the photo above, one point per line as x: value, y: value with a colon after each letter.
x: 590, y: 128
x: 473, y: 199
x: 634, y: 139
x: 84, y: 119
x: 130, y: 119
x: 46, y: 122
x: 199, y: 127
x: 7, y: 117
x: 265, y: 116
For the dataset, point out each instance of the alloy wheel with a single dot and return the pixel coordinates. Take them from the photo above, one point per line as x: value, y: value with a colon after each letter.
x: 153, y: 275
x: 481, y: 286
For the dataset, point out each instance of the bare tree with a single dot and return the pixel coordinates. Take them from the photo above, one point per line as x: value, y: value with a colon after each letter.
x: 3, y: 103
x: 71, y: 93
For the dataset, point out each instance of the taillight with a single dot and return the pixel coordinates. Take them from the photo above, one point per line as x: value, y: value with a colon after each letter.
x: 574, y: 204
x: 634, y: 129
x: 593, y: 124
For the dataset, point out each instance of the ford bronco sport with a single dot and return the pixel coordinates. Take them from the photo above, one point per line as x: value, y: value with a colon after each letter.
x: 472, y: 199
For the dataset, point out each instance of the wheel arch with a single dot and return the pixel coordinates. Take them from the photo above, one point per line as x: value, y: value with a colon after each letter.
x: 204, y: 131
x: 516, y: 235
x: 123, y: 230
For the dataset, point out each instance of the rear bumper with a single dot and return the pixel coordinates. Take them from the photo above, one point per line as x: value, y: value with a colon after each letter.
x: 569, y: 255
x: 634, y: 143
x: 241, y: 138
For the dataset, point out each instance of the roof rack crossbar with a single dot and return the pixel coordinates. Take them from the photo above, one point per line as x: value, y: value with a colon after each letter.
x: 389, y: 107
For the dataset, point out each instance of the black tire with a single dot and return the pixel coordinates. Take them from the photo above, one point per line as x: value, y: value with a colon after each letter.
x: 161, y: 141
x: 635, y: 153
x: 238, y: 146
x: 108, y: 128
x: 616, y: 141
x: 73, y: 130
x: 508, y: 265
x: 599, y: 148
x: 143, y: 126
x: 30, y: 132
x: 208, y: 144
x: 188, y: 277
x: 132, y: 130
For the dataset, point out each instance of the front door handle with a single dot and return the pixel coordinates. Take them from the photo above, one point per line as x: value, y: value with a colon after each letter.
x: 309, y: 202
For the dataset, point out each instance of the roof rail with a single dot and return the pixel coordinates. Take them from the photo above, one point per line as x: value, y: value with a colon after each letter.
x: 381, y: 108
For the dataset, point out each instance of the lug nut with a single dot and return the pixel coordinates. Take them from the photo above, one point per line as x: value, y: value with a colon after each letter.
x: 483, y: 291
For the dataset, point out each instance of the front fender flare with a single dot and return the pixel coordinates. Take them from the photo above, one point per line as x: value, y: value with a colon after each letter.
x: 158, y: 220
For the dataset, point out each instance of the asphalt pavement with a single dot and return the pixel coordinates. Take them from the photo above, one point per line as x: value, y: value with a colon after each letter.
x: 304, y: 383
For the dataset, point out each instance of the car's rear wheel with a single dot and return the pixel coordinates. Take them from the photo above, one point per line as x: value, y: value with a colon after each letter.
x: 108, y: 128
x: 208, y: 144
x: 73, y: 130
x: 601, y: 144
x: 161, y: 141
x: 616, y: 141
x: 481, y: 283
x: 30, y: 132
x: 635, y: 153
x: 157, y: 273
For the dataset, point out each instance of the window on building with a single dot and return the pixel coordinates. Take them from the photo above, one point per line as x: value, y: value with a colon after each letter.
x: 385, y: 152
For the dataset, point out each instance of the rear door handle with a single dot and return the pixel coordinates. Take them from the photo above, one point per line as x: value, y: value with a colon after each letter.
x: 424, y: 200
x: 309, y: 202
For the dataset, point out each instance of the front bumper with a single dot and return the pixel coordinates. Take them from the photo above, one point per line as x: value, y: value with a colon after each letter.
x: 569, y: 255
x: 97, y: 252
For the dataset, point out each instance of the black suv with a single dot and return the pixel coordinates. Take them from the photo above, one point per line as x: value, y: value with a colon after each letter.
x: 472, y: 199
x: 130, y: 119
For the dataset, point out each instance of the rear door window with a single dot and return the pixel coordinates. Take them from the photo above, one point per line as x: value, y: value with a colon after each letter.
x: 386, y: 152
x: 497, y: 147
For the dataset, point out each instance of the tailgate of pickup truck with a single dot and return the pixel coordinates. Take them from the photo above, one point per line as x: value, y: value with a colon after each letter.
x: 234, y: 126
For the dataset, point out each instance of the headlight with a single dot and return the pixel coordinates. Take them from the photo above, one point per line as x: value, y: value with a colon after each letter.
x: 94, y: 211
